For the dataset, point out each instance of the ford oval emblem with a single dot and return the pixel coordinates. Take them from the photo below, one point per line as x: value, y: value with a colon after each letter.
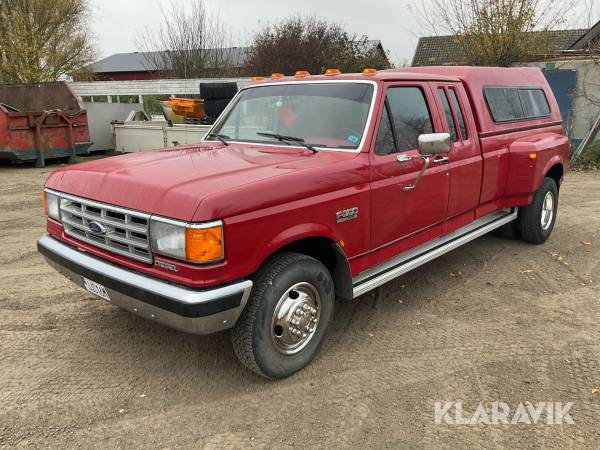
x: 97, y: 227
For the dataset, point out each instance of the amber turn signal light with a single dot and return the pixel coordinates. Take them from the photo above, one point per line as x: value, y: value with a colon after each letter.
x: 44, y: 203
x: 204, y: 244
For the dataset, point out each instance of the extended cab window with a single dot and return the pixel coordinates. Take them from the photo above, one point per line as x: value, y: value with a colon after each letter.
x: 409, y: 116
x: 459, y: 114
x: 448, y: 113
x: 507, y: 104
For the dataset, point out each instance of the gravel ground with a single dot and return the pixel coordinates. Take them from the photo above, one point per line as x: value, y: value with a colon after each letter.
x: 496, y: 320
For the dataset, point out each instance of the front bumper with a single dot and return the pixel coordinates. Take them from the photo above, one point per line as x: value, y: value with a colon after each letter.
x: 189, y: 310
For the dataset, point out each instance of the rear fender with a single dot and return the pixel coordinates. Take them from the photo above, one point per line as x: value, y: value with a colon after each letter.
x: 530, y: 159
x: 556, y: 160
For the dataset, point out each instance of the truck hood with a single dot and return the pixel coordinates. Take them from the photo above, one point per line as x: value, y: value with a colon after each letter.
x: 175, y: 182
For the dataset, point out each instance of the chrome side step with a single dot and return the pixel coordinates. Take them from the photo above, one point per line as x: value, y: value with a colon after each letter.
x: 387, y: 271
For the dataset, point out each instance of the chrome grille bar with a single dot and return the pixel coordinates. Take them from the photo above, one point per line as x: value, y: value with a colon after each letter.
x: 125, y: 232
x: 107, y: 220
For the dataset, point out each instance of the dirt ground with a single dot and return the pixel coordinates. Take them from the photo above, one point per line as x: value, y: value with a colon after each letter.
x: 496, y: 320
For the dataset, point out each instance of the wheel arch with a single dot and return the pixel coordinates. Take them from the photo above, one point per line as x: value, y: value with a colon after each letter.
x: 556, y: 171
x: 324, y: 248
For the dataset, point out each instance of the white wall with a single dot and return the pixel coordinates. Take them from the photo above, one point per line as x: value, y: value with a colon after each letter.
x: 99, y: 117
x: 587, y: 93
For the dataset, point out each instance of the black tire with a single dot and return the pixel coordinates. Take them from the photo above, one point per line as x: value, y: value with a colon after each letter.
x: 530, y: 217
x: 252, y: 336
x: 214, y: 108
x: 218, y: 90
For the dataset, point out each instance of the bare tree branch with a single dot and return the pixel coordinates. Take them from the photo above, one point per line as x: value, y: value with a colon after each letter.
x: 191, y: 42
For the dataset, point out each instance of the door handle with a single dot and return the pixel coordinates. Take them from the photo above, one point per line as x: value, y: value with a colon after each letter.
x: 442, y: 160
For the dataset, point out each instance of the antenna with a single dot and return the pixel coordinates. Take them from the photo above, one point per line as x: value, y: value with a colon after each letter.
x: 185, y: 88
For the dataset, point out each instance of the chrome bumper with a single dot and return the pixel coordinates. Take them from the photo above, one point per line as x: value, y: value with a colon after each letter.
x: 192, y: 311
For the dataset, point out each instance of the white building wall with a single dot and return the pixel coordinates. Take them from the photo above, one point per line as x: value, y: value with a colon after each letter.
x: 587, y: 92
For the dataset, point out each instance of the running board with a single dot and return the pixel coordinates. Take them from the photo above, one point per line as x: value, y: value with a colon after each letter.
x: 407, y: 261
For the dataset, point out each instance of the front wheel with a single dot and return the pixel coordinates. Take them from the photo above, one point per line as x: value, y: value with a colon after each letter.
x: 287, y: 316
x: 537, y: 220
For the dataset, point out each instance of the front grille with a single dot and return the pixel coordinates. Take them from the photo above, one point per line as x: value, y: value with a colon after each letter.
x: 122, y: 231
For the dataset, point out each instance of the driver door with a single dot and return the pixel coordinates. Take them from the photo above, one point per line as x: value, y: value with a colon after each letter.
x: 401, y: 217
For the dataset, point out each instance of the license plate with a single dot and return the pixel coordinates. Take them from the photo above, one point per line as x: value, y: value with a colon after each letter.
x: 95, y: 288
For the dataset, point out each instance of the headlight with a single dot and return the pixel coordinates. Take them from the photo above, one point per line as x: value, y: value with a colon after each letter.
x: 198, y: 243
x: 51, y: 205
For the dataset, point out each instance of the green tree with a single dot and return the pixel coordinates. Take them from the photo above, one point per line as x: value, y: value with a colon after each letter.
x: 42, y: 40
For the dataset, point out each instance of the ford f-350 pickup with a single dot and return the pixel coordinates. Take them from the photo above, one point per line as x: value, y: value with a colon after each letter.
x: 306, y: 190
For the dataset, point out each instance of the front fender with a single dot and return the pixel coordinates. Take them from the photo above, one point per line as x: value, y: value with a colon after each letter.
x: 295, y: 233
x: 341, y: 273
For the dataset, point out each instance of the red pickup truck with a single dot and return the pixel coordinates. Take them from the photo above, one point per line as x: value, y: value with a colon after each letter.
x: 306, y: 190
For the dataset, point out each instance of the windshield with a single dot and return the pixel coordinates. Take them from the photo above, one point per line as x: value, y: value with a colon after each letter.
x: 330, y: 115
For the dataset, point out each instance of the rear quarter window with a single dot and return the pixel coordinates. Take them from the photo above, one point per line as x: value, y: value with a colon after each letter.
x: 534, y: 103
x: 514, y: 103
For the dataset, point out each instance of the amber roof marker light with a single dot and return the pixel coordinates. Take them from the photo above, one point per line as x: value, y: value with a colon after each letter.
x: 258, y: 78
x: 332, y: 72
x: 368, y: 72
x: 302, y: 73
x: 277, y: 75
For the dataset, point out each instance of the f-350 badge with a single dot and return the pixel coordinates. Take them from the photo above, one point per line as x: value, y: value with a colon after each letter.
x: 346, y: 214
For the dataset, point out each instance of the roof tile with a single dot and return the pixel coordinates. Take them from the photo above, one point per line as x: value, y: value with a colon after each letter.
x: 445, y: 50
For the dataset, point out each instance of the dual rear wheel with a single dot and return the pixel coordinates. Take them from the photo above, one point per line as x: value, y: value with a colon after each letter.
x: 536, y: 220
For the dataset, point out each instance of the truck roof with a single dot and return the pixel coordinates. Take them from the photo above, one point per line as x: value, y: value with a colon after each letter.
x: 478, y: 77
x: 474, y: 80
x: 467, y: 74
x: 382, y: 75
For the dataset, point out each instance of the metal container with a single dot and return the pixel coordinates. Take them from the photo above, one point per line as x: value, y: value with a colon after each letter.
x: 41, y: 121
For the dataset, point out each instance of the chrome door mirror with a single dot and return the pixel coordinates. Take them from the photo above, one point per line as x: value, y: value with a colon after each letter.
x: 434, y: 143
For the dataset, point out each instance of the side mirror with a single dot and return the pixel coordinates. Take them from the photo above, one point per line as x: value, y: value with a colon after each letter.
x: 434, y: 143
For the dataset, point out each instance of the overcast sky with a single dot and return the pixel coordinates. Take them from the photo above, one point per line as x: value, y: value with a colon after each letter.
x: 117, y: 22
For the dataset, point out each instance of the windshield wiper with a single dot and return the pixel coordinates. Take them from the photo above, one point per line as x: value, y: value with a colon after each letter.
x: 288, y: 139
x: 221, y: 137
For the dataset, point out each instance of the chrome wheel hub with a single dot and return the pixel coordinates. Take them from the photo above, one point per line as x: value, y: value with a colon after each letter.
x: 295, y: 318
x: 547, y: 210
